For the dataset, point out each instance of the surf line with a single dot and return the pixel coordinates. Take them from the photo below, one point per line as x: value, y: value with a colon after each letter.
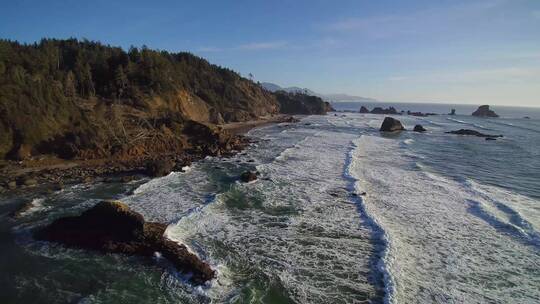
x: 379, y: 237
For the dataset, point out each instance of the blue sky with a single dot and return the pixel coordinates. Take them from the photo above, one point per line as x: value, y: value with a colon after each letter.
x: 477, y: 51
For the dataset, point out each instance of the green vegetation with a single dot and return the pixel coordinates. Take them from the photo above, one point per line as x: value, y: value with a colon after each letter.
x: 299, y: 103
x: 96, y: 96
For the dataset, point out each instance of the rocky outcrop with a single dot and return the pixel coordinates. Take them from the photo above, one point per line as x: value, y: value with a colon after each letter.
x: 299, y: 103
x: 389, y: 111
x: 484, y: 111
x: 248, y: 176
x: 420, y: 114
x: 289, y: 119
x: 473, y: 133
x: 419, y: 128
x: 391, y: 125
x: 111, y: 226
x: 159, y: 167
x: 363, y: 110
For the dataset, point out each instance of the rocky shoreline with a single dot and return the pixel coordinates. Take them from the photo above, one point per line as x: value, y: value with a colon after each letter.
x: 110, y: 226
x: 48, y: 173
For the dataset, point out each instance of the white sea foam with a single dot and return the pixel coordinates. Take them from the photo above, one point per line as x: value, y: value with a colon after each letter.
x: 36, y: 205
x: 442, y: 248
x: 468, y: 123
x: 408, y: 141
x: 295, y: 227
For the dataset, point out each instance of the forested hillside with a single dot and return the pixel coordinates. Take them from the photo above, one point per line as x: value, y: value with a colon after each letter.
x: 68, y: 96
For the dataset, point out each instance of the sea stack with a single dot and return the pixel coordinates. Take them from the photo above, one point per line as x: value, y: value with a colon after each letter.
x: 484, y: 111
x: 364, y: 110
x: 391, y: 125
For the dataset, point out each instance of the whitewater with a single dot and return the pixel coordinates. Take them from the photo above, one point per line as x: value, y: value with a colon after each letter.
x: 416, y: 236
x: 340, y: 213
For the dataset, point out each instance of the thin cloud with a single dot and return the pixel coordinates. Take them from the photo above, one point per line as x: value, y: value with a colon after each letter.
x: 433, y: 19
x: 474, y: 76
x: 271, y: 45
x: 254, y: 46
x: 209, y: 49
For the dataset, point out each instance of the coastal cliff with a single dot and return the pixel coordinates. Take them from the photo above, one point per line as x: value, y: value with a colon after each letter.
x: 85, y: 100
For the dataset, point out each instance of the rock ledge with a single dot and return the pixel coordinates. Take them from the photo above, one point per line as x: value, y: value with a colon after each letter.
x: 111, y: 226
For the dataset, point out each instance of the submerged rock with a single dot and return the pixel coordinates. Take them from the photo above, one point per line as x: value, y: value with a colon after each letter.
x: 391, y: 125
x: 484, y: 111
x: 473, y: 133
x: 419, y: 128
x: 111, y: 226
x: 248, y: 176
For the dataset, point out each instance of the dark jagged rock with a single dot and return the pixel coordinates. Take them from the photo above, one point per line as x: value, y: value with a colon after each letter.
x: 290, y: 119
x: 420, y: 114
x: 111, y: 226
x: 389, y: 111
x: 472, y: 133
x: 248, y: 176
x: 159, y: 167
x: 391, y: 125
x: 484, y: 111
x: 364, y: 110
x: 419, y: 128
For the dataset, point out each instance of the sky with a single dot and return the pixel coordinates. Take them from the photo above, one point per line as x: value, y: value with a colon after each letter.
x: 475, y: 51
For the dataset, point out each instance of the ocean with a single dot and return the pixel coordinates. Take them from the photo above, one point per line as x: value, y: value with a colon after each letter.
x: 340, y: 214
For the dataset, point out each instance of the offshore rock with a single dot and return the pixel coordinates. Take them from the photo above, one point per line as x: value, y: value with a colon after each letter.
x: 473, y: 133
x: 364, y: 110
x: 419, y: 128
x: 484, y: 111
x: 389, y: 111
x: 391, y: 125
x: 111, y: 226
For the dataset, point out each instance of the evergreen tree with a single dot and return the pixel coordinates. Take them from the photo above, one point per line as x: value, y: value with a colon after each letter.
x: 69, y: 85
x: 120, y: 80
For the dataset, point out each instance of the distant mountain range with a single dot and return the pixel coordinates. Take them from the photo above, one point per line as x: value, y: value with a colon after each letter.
x: 272, y: 87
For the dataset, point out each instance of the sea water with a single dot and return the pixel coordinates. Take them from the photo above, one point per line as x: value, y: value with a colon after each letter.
x: 340, y: 213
